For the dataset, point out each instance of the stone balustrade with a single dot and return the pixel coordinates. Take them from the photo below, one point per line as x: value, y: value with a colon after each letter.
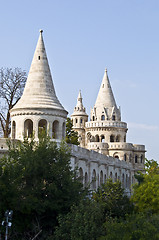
x: 96, y: 124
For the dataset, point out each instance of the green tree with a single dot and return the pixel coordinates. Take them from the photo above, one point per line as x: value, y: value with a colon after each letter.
x: 37, y: 183
x: 83, y: 222
x: 146, y: 193
x: 114, y: 201
x: 71, y: 135
x: 134, y: 227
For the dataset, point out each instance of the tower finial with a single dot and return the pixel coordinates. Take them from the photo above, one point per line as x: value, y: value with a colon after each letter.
x: 41, y: 31
x: 105, y: 69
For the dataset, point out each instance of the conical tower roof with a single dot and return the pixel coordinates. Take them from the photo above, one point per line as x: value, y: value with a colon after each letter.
x: 79, y: 108
x: 39, y: 90
x: 105, y: 96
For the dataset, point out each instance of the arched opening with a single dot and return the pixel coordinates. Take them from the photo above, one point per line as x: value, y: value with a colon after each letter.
x: 141, y: 158
x: 112, y: 138
x: 93, y: 118
x: 76, y: 120
x: 113, y: 117
x: 96, y: 138
x: 63, y: 129
x: 81, y: 175
x: 105, y: 177
x: 101, y: 177
x: 124, y: 138
x: 86, y: 179
x: 94, y: 179
x: 125, y: 157
x: 111, y: 175
x: 118, y: 138
x: 42, y: 126
x: 55, y: 129
x: 135, y: 158
x: 81, y: 120
x: 116, y: 178
x: 102, y: 117
x: 123, y: 180
x: 28, y: 128
x: 102, y: 138
x: 126, y: 181
x: 13, y: 129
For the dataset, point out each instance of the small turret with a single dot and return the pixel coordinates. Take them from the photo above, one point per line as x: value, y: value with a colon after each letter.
x: 79, y: 118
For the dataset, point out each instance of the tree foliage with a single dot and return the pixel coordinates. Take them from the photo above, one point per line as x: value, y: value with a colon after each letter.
x: 40, y: 186
x: 12, y: 82
x: 71, y: 135
x: 146, y: 194
x: 134, y: 227
x: 115, y: 203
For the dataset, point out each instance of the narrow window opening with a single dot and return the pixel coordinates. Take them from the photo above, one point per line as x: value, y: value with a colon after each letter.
x: 39, y: 57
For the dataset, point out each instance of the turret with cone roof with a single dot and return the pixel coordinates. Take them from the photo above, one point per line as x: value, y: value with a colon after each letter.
x: 79, y: 118
x: 39, y: 106
x: 105, y: 106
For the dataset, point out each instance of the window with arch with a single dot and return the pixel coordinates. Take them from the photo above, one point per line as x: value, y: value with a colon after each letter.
x: 28, y: 128
x: 141, y: 158
x: 81, y: 175
x: 93, y: 118
x: 124, y: 138
x: 123, y: 180
x: 112, y: 138
x: 76, y: 120
x: 125, y: 157
x: 55, y: 129
x: 126, y: 181
x: 102, y: 117
x: 135, y: 158
x: 101, y: 177
x: 63, y: 129
x: 81, y: 120
x: 13, y: 129
x: 105, y: 177
x: 42, y: 125
x: 118, y: 138
x: 94, y: 179
x: 116, y: 177
x: 102, y: 138
x: 86, y: 179
x: 111, y: 175
x: 113, y: 117
x: 97, y: 138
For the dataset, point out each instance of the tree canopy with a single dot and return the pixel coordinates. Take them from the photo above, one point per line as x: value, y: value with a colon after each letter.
x: 71, y: 135
x: 12, y: 82
x: 37, y: 183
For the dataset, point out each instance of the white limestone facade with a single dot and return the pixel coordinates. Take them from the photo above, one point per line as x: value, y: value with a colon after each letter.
x: 103, y: 150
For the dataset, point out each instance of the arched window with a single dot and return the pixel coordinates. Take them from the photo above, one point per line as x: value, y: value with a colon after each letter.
x: 105, y: 177
x: 135, y: 158
x: 118, y: 138
x: 81, y: 175
x: 86, y: 179
x: 125, y: 157
x: 76, y: 120
x: 81, y: 120
x: 124, y: 138
x: 102, y: 138
x: 28, y: 128
x: 113, y: 117
x: 101, y: 177
x: 63, y: 129
x: 13, y: 129
x: 112, y: 138
x: 94, y: 179
x: 116, y: 178
x: 102, y: 117
x: 141, y: 158
x: 126, y: 181
x: 123, y: 180
x: 111, y: 175
x: 93, y: 118
x: 96, y: 138
x: 55, y: 129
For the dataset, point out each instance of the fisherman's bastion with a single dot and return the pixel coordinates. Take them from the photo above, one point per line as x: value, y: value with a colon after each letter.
x: 103, y: 152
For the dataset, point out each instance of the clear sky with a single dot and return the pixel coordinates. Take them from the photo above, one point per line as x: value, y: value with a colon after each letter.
x: 82, y: 37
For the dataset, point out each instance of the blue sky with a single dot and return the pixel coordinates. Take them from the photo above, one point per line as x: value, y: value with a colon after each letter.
x: 82, y: 38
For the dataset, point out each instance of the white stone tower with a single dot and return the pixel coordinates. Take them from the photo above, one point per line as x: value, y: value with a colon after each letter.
x: 39, y: 106
x: 105, y: 124
x: 79, y: 118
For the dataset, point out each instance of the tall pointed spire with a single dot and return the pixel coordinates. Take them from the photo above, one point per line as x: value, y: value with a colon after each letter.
x: 79, y: 106
x: 105, y: 96
x: 105, y: 106
x: 39, y: 90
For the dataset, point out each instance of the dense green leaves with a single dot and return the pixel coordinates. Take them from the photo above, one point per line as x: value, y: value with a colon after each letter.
x: 37, y: 183
x: 71, y: 135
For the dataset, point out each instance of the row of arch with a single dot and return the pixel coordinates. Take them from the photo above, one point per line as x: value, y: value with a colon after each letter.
x: 98, y: 180
x: 130, y: 158
x: 101, y: 138
x: 42, y: 125
x: 103, y: 118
